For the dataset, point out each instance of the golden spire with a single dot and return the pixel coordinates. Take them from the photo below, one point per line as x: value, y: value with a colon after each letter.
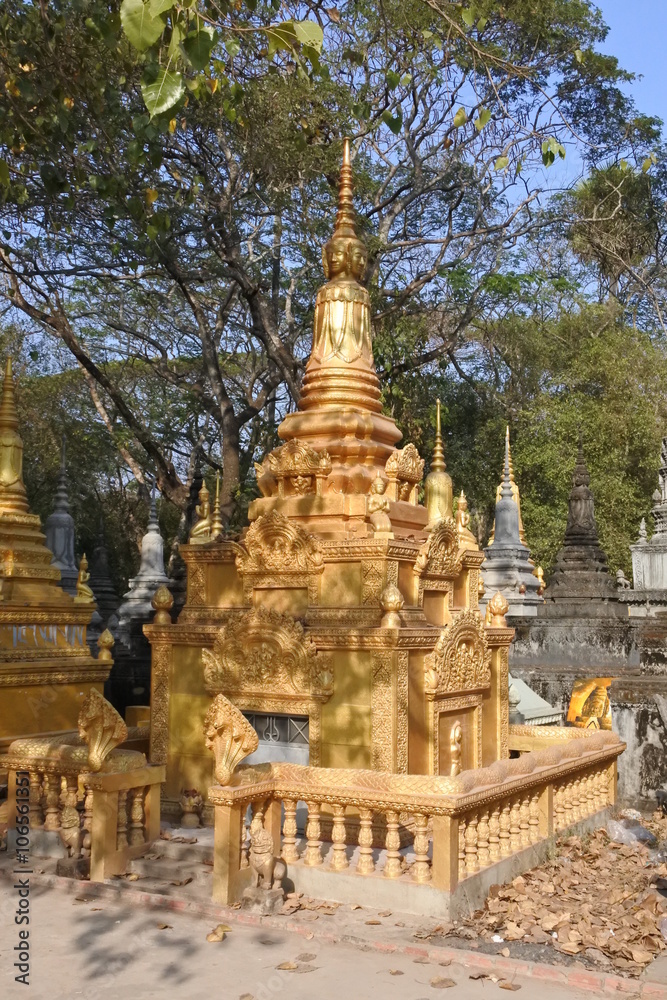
x: 438, y: 495
x: 217, y: 527
x: 340, y: 412
x: 515, y: 490
x: 345, y: 218
x: 12, y: 489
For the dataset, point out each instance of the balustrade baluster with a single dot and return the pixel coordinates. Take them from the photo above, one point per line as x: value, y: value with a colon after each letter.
x: 35, y: 801
x: 136, y: 836
x: 121, y: 826
x: 421, y: 869
x: 590, y: 795
x: 392, y: 867
x: 290, y: 852
x: 483, y: 856
x: 505, y: 824
x: 365, y: 863
x: 87, y: 821
x: 462, y: 847
x: 534, y: 818
x: 339, y: 855
x: 559, y: 808
x: 472, y: 863
x: 576, y: 799
x: 313, y: 852
x: 52, y: 801
x: 603, y: 788
x: 494, y: 835
x: 524, y: 820
x: 515, y: 826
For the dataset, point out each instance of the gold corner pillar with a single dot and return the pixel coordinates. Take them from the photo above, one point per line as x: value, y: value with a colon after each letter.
x: 46, y: 670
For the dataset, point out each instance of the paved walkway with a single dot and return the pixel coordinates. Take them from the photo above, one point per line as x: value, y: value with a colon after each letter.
x: 107, y: 949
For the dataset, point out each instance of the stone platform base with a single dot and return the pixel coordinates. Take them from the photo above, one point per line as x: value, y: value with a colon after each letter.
x: 262, y: 901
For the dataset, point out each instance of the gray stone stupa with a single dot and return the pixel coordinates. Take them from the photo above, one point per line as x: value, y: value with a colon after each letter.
x: 580, y: 583
x: 136, y: 603
x: 508, y: 566
x: 60, y: 533
x: 648, y: 596
x: 100, y: 579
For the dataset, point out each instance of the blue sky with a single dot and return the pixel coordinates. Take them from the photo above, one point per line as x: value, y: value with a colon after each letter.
x: 637, y: 36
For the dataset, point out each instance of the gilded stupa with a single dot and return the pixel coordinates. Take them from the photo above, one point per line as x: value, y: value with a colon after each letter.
x: 344, y: 622
x: 46, y: 669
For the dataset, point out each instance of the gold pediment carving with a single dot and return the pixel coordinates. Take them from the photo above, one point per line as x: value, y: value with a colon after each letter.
x: 404, y: 469
x: 294, y: 469
x: 265, y: 652
x: 274, y: 544
x: 461, y: 660
x: 440, y: 554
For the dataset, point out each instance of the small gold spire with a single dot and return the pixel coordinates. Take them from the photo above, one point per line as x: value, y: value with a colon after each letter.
x: 345, y: 219
x: 217, y: 527
x: 12, y: 488
x: 438, y: 493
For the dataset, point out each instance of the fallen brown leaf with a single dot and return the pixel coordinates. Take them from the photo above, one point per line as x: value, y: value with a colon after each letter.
x: 440, y: 983
x: 287, y: 966
x: 373, y: 922
x: 165, y: 927
x: 395, y: 972
x: 505, y: 985
x: 183, y: 881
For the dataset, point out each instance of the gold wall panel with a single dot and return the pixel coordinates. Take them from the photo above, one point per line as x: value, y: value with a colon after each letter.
x: 341, y: 585
x: 225, y: 587
x: 42, y: 708
x: 286, y: 600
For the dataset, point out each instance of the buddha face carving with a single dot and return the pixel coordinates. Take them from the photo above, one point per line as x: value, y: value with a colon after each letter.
x: 358, y: 260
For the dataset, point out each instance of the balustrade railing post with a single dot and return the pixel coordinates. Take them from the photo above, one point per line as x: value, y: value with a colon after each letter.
x: 494, y: 835
x: 421, y: 870
x: 505, y: 827
x: 35, y: 801
x: 313, y: 852
x: 534, y: 818
x: 365, y: 863
x: 227, y: 853
x: 52, y: 802
x: 290, y: 852
x: 446, y: 868
x: 483, y: 857
x: 472, y: 863
x: 392, y: 867
x: 515, y: 826
x: 524, y: 820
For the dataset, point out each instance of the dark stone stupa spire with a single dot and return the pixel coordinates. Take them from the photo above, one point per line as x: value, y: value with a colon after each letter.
x: 581, y: 571
x: 60, y: 533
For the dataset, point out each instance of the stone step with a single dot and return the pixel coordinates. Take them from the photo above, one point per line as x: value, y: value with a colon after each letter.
x: 180, y: 851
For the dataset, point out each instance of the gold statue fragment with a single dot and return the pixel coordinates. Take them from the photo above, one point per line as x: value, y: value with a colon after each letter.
x: 455, y: 749
x: 84, y: 594
x: 101, y: 727
x: 268, y: 871
x: 163, y: 602
x: 229, y: 735
x: 377, y: 507
x: 201, y: 532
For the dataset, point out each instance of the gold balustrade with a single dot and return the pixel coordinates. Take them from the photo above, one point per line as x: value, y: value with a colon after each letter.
x: 460, y: 826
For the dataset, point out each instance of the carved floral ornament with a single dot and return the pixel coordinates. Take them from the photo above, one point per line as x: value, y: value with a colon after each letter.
x: 265, y: 652
x: 294, y: 469
x: 461, y: 660
x: 440, y: 554
x: 275, y: 544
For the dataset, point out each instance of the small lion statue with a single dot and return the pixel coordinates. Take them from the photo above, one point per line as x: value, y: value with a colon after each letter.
x: 267, y: 870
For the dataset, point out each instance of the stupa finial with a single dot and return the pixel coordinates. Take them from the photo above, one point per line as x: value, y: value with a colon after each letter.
x: 438, y: 463
x: 345, y: 219
x: 8, y: 415
x: 217, y: 527
x: 62, y: 497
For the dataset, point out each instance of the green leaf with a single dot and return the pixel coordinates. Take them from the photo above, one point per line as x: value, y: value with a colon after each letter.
x: 163, y: 93
x: 309, y: 33
x: 550, y: 149
x: 578, y: 55
x: 233, y: 46
x: 483, y: 119
x: 460, y: 118
x: 647, y: 164
x: 501, y: 162
x: 468, y: 17
x: 198, y: 47
x: 406, y: 80
x: 4, y: 173
x: 481, y: 24
x: 140, y: 26
x: 394, y: 123
x: 393, y: 79
x: 157, y: 7
x: 281, y: 36
x: 426, y: 34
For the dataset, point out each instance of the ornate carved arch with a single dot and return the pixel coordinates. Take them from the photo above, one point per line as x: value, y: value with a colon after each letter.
x: 461, y: 660
x: 440, y: 554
